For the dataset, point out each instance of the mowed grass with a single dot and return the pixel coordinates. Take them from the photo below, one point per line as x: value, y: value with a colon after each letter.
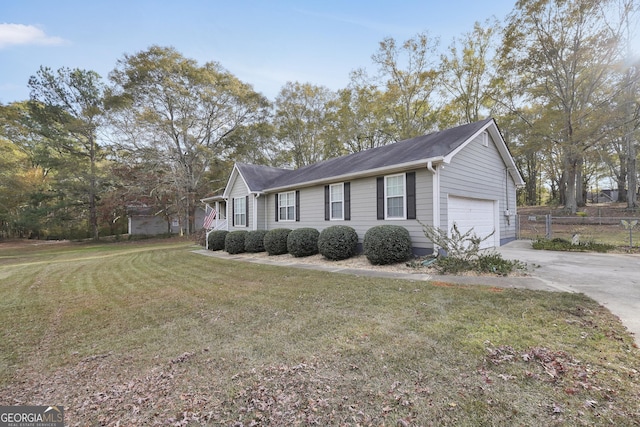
x: 153, y: 334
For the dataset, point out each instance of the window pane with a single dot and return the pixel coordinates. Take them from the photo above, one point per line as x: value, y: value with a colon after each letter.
x: 336, y: 210
x: 395, y: 186
x: 395, y: 207
x: 336, y: 193
x: 290, y: 213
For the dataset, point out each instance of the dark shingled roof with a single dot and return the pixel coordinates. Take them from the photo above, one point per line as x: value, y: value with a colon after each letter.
x: 433, y: 145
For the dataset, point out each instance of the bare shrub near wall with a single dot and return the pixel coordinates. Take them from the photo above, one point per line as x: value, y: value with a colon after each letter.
x: 464, y: 246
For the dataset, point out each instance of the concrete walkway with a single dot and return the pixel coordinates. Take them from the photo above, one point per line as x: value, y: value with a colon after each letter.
x: 613, y: 280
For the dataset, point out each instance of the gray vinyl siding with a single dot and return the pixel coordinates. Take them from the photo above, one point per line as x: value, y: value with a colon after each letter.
x: 479, y: 172
x: 239, y: 189
x: 262, y: 212
x: 363, y: 209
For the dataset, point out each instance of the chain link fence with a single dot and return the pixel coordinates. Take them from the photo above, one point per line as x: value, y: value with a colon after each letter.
x: 611, y: 230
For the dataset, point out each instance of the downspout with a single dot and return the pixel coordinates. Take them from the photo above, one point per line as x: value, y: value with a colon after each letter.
x: 255, y: 210
x: 436, y: 193
x: 435, y: 181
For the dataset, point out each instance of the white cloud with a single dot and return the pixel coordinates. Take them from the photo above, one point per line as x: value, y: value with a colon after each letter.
x: 19, y: 34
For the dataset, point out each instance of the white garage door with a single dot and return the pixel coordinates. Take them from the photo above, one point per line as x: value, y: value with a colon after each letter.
x: 478, y: 214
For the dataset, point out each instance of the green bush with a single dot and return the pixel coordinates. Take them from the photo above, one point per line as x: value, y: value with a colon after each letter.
x: 303, y: 242
x: 493, y: 263
x: 275, y: 241
x: 338, y: 242
x: 559, y: 244
x: 254, y: 241
x: 234, y: 241
x: 217, y: 240
x: 453, y: 265
x: 485, y: 262
x: 387, y: 244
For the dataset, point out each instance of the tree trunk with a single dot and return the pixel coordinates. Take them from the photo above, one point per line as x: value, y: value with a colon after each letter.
x: 93, y: 210
x: 571, y: 175
x: 531, y: 184
x: 632, y: 193
x: 580, y: 187
x: 621, y: 181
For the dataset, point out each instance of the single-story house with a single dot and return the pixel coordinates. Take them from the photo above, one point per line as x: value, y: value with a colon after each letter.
x: 463, y: 175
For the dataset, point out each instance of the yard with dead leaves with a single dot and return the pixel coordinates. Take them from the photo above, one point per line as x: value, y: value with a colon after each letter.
x: 121, y: 336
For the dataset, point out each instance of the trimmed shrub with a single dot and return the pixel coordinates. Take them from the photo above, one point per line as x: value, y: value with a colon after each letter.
x: 254, y: 241
x: 216, y: 240
x: 234, y: 241
x: 275, y: 241
x: 387, y: 244
x: 338, y: 242
x: 303, y: 242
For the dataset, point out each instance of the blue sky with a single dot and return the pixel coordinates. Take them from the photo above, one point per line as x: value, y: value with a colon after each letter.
x: 264, y: 43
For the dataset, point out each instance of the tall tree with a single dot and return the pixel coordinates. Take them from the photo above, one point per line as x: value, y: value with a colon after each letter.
x: 182, y: 114
x: 67, y: 109
x: 410, y: 77
x: 360, y: 121
x: 561, y: 51
x: 466, y: 74
x: 629, y: 11
x: 301, y: 120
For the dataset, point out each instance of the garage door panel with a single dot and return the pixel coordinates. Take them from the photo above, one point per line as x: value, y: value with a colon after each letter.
x: 476, y: 214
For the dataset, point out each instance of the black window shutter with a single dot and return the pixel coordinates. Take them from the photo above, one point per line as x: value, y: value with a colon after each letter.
x: 233, y: 211
x: 275, y: 202
x: 347, y: 201
x: 327, y: 208
x: 380, y: 196
x: 411, y: 195
x: 246, y: 211
x: 297, y: 205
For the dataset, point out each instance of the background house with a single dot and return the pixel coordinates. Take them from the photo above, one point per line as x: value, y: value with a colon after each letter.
x: 151, y: 221
x: 463, y: 175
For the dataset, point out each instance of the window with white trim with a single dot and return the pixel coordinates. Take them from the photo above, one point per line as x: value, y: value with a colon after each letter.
x: 240, y: 212
x: 394, y: 193
x: 287, y: 206
x: 336, y: 201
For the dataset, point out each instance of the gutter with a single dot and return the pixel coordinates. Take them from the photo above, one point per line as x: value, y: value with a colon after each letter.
x: 362, y: 174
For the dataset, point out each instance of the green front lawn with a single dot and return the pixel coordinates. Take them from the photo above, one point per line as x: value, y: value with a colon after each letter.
x: 151, y: 333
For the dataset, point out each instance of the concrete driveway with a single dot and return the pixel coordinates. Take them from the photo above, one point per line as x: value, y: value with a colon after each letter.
x: 611, y: 279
